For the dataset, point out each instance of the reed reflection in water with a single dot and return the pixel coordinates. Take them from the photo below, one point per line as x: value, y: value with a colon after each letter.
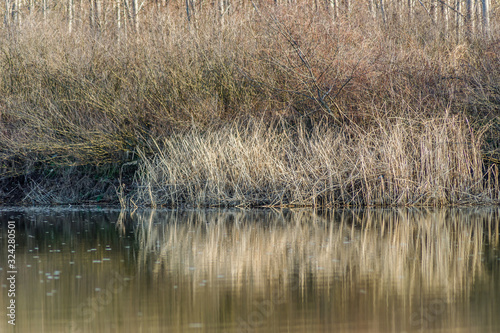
x: 267, y: 271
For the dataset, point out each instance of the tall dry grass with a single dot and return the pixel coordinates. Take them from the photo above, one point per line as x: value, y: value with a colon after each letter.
x: 400, y: 161
x: 216, y: 267
x: 94, y: 99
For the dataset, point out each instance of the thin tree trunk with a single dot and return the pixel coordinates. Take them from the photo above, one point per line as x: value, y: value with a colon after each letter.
x: 44, y: 10
x: 334, y: 5
x: 91, y: 14
x: 382, y: 10
x: 399, y: 10
x: 194, y: 13
x: 444, y: 15
x: 222, y: 10
x: 97, y: 14
x: 468, y: 16
x: 125, y: 19
x: 188, y: 12
x: 103, y: 13
x: 16, y: 12
x: 81, y: 13
x: 135, y: 15
x: 486, y: 17
x: 433, y: 11
x: 371, y: 9
x: 70, y: 15
x: 410, y: 10
x: 8, y: 13
x: 118, y: 17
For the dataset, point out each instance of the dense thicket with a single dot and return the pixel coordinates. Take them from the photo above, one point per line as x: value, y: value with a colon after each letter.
x: 87, y: 88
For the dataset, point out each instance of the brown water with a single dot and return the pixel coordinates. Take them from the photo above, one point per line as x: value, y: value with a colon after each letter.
x: 254, y: 271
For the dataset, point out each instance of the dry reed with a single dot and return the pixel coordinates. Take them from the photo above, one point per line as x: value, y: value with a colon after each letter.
x: 400, y: 162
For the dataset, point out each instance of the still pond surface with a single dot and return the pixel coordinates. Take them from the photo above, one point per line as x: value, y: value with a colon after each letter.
x: 253, y: 271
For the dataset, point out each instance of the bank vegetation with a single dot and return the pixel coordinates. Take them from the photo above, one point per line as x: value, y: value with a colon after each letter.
x: 250, y: 103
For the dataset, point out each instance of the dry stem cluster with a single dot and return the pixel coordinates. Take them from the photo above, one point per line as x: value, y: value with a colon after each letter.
x: 367, y: 109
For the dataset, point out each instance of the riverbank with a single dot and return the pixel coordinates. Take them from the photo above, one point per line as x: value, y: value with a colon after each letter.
x: 262, y: 105
x: 417, y: 161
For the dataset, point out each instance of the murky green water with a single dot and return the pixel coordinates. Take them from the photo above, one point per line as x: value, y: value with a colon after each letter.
x: 246, y: 271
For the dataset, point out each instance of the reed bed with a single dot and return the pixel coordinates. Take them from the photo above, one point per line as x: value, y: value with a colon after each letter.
x: 399, y: 162
x: 91, y: 100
